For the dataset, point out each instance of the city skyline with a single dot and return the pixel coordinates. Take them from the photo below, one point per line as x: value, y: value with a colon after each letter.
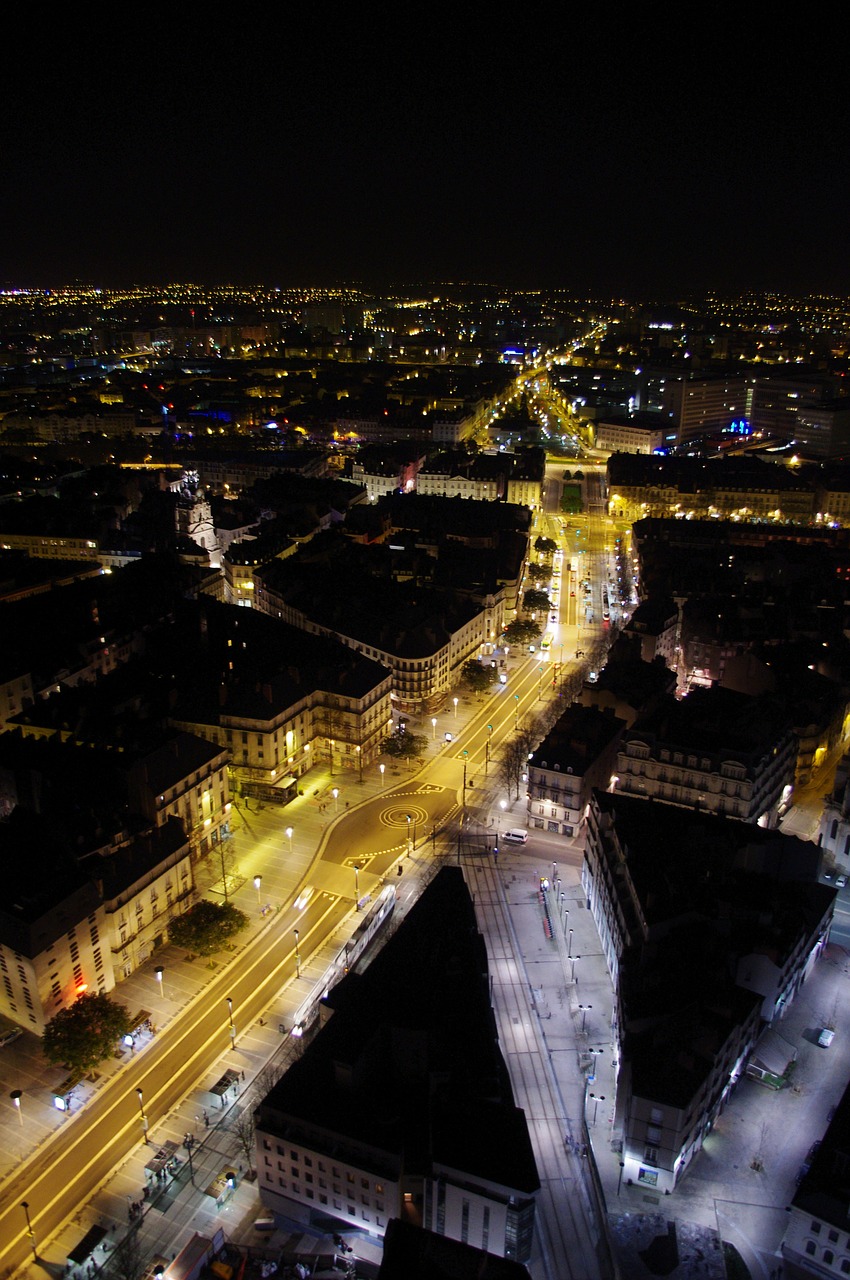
x: 604, y: 157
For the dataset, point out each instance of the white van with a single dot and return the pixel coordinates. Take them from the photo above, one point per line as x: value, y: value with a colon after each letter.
x: 516, y: 836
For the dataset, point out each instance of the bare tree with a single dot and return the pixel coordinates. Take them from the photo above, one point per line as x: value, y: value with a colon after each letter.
x: 267, y: 1077
x: 127, y: 1262
x: 243, y: 1128
x: 513, y: 765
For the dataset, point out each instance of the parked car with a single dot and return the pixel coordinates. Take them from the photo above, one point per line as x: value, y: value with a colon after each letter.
x: 826, y: 1037
x: 10, y: 1035
x: 840, y: 881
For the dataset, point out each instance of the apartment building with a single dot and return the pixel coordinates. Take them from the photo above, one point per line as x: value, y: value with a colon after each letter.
x: 372, y: 1123
x: 716, y: 751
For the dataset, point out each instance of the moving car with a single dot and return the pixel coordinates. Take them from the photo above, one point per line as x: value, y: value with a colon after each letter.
x: 516, y: 836
x: 304, y: 897
x: 10, y: 1035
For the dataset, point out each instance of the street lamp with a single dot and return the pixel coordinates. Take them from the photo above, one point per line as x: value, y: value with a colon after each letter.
x: 620, y: 1176
x: 30, y: 1231
x: 140, y: 1096
x: 289, y: 837
x: 229, y: 1000
x: 584, y: 1009
x: 335, y: 794
x: 381, y: 768
x: 407, y: 815
x: 573, y: 970
x: 454, y: 700
x: 258, y: 880
x: 359, y: 751
x: 332, y: 755
x: 516, y: 710
x: 434, y: 727
x: 357, y: 885
x: 570, y: 946
x: 188, y: 1143
x: 487, y: 749
x: 597, y: 1098
x: 297, y: 956
x: 15, y: 1095
x: 159, y: 974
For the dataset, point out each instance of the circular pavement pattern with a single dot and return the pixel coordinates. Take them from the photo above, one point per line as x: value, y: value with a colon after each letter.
x: 397, y: 815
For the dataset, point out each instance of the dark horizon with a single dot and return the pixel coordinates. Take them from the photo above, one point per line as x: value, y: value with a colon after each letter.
x: 620, y: 161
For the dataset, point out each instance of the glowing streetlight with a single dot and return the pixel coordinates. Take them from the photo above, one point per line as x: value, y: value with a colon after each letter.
x: 433, y: 727
x: 335, y: 794
x: 159, y: 974
x: 584, y: 1009
x: 570, y: 947
x: 597, y: 1098
x: 141, y: 1098
x: 454, y: 700
x: 15, y: 1095
x: 297, y: 956
x: 408, y: 833
x: 289, y: 837
x: 381, y: 768
x: 258, y: 881
x: 357, y: 884
x: 516, y: 710
x: 229, y: 1000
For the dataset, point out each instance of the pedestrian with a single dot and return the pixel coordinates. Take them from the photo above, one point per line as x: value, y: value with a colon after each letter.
x: 206, y: 1121
x: 243, y: 1076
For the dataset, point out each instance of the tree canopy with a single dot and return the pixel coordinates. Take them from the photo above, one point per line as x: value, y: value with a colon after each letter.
x: 522, y: 631
x: 533, y: 599
x: 545, y: 546
x: 85, y: 1033
x: 477, y: 677
x: 403, y: 744
x: 207, y: 926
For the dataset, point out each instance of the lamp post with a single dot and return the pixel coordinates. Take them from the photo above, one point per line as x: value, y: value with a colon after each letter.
x: 516, y: 710
x: 30, y: 1232
x: 335, y: 794
x: 465, y: 761
x: 381, y: 768
x: 15, y: 1095
x: 357, y: 885
x: 289, y: 834
x: 597, y: 1053
x: 434, y: 727
x: 584, y: 1009
x: 597, y: 1098
x: 229, y: 1000
x: 141, y: 1098
x: 188, y: 1143
x: 573, y: 970
x: 332, y: 755
x: 409, y: 820
x: 359, y: 751
x: 258, y: 880
x: 454, y: 700
x: 554, y: 872
x: 570, y: 946
x: 620, y: 1176
x: 487, y: 749
x: 159, y: 973
x: 297, y: 956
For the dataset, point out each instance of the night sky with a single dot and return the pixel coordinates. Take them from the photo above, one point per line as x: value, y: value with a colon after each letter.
x: 579, y: 152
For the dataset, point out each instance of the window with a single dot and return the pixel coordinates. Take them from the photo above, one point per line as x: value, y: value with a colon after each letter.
x: 833, y: 1236
x: 653, y: 1134
x: 815, y: 1228
x: 810, y: 1246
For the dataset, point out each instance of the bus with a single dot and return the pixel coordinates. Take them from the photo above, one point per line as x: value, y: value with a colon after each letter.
x: 546, y: 642
x: 606, y: 611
